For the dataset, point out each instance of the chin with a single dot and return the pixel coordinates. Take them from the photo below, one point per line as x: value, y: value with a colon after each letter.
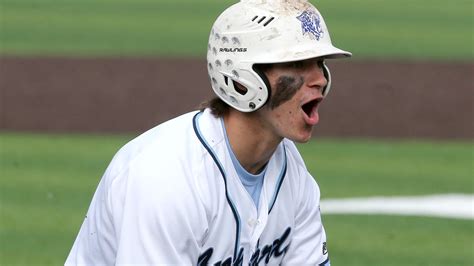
x: 302, y: 139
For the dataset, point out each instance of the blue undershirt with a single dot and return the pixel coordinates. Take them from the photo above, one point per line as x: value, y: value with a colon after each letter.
x: 252, y: 183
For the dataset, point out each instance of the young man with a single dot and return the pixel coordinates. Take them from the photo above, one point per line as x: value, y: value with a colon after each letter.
x: 225, y: 185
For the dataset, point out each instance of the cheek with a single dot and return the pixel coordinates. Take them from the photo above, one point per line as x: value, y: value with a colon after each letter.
x: 285, y: 113
x: 285, y: 88
x: 287, y: 108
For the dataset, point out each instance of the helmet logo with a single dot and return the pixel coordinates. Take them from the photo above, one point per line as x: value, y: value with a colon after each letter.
x: 311, y: 24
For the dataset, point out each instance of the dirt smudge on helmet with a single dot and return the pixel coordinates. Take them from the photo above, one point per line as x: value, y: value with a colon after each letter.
x: 282, y: 7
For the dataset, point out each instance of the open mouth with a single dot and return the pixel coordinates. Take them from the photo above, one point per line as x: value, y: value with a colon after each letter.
x: 311, y: 106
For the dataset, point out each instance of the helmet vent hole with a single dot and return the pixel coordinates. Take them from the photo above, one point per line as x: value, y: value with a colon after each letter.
x: 268, y: 21
x: 240, y: 89
x: 214, y: 50
x: 228, y: 62
x: 218, y: 63
x: 214, y: 81
x: 226, y: 80
x: 233, y: 99
x: 210, y: 66
x: 225, y: 39
x: 261, y: 19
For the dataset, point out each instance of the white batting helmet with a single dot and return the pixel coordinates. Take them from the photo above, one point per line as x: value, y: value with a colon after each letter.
x: 261, y: 32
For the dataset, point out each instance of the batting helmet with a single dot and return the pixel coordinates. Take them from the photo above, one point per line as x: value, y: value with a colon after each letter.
x: 255, y: 32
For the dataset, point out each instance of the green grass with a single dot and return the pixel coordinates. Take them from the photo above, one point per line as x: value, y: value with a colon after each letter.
x: 411, y: 29
x: 47, y: 182
x: 348, y: 168
x: 397, y: 240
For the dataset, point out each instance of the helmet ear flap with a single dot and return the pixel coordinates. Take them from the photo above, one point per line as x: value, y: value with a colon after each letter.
x: 259, y: 70
x: 327, y: 75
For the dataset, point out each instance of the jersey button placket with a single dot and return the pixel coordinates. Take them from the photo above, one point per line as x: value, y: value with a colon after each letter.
x: 252, y: 223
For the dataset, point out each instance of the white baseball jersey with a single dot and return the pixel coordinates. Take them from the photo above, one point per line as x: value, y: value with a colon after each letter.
x: 172, y: 196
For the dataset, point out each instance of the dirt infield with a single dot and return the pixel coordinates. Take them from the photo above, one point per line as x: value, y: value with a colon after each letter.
x: 368, y: 99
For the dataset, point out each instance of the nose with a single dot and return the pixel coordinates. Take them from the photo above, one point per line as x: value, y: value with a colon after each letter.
x: 316, y: 78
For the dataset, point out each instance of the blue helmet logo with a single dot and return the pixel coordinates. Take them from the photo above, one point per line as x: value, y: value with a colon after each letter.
x: 311, y: 24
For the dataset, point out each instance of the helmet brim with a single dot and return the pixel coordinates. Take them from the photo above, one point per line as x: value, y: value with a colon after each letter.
x: 303, y: 53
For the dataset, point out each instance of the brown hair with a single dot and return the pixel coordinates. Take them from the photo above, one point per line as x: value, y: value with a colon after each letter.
x: 218, y: 107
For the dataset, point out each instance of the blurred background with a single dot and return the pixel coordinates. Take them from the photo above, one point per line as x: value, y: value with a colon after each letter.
x: 78, y: 79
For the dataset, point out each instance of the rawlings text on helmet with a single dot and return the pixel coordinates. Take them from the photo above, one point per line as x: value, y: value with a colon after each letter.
x: 232, y: 50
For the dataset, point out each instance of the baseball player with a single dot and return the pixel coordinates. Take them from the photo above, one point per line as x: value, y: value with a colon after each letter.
x: 225, y: 185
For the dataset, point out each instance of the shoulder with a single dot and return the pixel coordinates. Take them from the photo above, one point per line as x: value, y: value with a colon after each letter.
x: 294, y: 157
x: 169, y: 157
x: 166, y: 138
x: 301, y: 179
x: 293, y: 152
x: 159, y: 152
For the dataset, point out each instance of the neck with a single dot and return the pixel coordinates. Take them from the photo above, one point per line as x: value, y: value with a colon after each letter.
x: 251, y: 144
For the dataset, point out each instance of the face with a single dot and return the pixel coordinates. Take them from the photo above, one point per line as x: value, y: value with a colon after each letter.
x: 296, y: 93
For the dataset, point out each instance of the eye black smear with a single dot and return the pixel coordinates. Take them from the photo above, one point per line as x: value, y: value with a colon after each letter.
x: 286, y: 88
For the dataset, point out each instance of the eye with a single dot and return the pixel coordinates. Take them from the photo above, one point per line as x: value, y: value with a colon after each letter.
x: 294, y: 65
x: 298, y: 64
